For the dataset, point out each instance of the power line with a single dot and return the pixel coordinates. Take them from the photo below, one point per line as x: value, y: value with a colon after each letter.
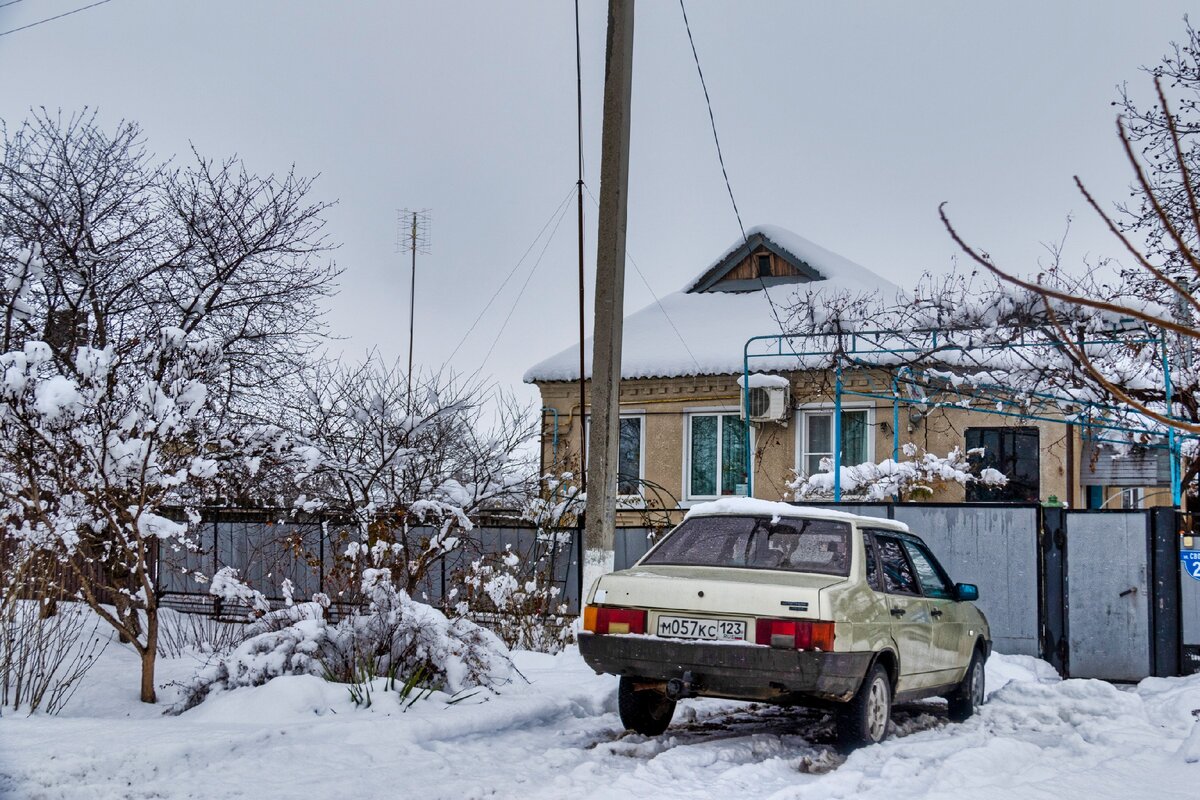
x: 712, y: 120
x: 50, y: 19
x: 661, y: 307
x: 721, y: 158
x: 558, y: 210
x: 561, y: 215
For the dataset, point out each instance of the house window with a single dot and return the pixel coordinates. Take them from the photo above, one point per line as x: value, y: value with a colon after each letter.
x: 630, y: 454
x: 764, y: 266
x: 716, y: 454
x: 629, y: 458
x: 1133, y: 498
x: 1012, y: 451
x: 817, y: 439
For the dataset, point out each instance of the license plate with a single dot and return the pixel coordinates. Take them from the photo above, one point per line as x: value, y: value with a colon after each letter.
x: 693, y: 628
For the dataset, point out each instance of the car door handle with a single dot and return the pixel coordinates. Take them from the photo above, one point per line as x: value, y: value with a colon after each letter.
x: 898, y: 612
x: 937, y: 612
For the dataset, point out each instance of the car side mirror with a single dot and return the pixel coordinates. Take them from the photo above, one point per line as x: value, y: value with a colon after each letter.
x: 966, y: 592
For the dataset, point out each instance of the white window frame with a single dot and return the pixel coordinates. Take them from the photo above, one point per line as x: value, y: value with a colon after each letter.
x: 809, y: 410
x: 1133, y: 497
x: 686, y: 488
x: 639, y: 496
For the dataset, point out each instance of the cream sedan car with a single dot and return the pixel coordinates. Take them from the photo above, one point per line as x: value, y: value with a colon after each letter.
x: 755, y: 600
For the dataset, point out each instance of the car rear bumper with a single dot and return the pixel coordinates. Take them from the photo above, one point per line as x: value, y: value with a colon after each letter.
x: 743, y: 672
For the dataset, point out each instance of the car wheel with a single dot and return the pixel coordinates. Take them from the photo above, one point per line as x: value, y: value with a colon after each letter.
x: 968, y: 697
x: 644, y: 711
x: 864, y: 720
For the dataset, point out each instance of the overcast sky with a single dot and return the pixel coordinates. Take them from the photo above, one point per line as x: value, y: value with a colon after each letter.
x: 846, y: 122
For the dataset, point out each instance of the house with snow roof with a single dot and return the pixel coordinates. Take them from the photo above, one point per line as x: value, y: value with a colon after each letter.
x: 682, y: 431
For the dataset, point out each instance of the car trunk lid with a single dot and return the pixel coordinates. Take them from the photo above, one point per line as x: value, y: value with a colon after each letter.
x: 717, y: 590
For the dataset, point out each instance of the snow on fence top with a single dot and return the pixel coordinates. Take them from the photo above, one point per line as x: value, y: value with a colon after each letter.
x: 717, y: 324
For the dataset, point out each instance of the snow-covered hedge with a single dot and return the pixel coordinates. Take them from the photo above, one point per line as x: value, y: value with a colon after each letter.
x: 397, y: 637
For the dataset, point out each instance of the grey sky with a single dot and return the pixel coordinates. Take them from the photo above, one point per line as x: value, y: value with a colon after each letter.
x: 846, y: 122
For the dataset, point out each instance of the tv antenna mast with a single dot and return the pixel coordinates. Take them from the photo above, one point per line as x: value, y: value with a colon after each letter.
x: 412, y: 236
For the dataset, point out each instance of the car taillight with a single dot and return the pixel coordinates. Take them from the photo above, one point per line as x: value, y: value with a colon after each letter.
x: 798, y: 634
x: 601, y: 619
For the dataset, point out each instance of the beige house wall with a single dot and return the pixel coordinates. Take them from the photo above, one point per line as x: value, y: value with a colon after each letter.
x: 664, y: 403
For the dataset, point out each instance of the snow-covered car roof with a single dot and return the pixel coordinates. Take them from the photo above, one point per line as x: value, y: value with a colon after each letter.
x: 752, y: 507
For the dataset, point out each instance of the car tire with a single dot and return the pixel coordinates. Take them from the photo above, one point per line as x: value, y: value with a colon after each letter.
x: 969, y: 696
x: 644, y: 711
x: 864, y: 720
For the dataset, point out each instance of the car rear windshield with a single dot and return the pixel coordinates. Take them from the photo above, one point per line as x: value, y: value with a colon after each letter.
x: 794, y: 545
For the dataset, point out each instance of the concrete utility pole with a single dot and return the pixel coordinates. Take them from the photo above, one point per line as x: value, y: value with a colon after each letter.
x: 603, y: 441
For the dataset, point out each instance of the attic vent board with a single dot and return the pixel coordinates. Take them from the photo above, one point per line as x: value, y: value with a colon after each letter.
x: 764, y: 265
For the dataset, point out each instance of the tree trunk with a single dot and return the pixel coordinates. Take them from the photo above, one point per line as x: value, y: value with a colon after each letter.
x: 149, y: 655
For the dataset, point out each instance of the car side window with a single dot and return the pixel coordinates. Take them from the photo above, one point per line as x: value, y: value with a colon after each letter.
x: 929, y: 573
x: 872, y: 565
x: 898, y: 577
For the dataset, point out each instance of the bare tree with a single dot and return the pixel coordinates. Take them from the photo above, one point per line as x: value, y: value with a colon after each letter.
x: 971, y: 340
x: 393, y: 463
x: 1172, y: 308
x: 127, y: 247
x: 146, y: 307
x: 1149, y: 128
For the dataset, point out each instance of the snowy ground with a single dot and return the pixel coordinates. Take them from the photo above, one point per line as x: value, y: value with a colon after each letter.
x: 558, y: 736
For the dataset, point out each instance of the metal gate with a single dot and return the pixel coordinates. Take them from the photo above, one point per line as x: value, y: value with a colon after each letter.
x: 1111, y: 603
x: 1108, y: 595
x: 1095, y: 593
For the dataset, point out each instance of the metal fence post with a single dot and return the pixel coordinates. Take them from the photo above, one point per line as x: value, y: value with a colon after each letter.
x: 1166, y: 618
x: 1052, y: 578
x: 442, y: 588
x: 321, y: 531
x: 579, y: 561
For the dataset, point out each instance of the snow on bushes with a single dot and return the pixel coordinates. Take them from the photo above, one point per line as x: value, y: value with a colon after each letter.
x: 518, y: 601
x: 915, y: 478
x: 229, y: 589
x: 397, y: 638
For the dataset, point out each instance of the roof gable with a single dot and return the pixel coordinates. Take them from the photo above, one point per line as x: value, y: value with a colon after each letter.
x: 739, y: 271
x: 697, y: 332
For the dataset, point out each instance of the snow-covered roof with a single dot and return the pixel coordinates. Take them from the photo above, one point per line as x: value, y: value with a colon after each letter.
x: 716, y: 324
x: 826, y: 264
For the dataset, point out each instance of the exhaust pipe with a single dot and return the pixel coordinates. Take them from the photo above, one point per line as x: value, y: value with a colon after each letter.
x: 679, y: 688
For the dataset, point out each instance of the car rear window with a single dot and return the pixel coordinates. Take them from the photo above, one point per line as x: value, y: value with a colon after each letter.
x: 794, y: 545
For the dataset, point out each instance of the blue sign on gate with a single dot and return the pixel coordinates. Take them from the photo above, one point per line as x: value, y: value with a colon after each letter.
x: 1191, y: 562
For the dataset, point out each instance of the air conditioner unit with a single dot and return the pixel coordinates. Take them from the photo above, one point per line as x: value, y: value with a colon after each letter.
x: 769, y: 403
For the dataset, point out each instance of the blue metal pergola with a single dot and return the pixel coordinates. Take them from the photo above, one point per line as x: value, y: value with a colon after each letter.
x: 900, y: 354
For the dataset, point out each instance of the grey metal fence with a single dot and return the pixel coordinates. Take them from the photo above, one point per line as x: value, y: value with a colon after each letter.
x: 266, y: 552
x: 994, y: 547
x: 1062, y: 585
x: 630, y: 544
